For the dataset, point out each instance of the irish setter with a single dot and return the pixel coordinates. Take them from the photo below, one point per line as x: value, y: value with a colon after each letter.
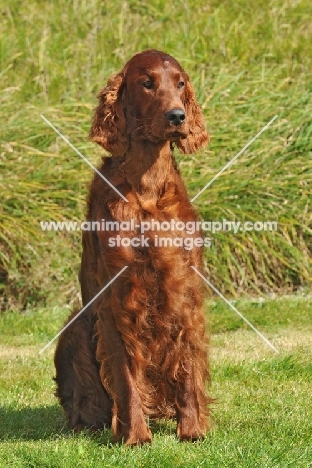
x: 140, y: 350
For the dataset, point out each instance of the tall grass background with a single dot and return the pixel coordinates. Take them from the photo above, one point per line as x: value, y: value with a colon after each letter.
x: 248, y: 61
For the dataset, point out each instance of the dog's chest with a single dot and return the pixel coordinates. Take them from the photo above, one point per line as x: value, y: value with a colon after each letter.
x: 152, y: 229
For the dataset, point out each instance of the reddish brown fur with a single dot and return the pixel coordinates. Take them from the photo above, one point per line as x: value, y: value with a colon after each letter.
x: 148, y: 356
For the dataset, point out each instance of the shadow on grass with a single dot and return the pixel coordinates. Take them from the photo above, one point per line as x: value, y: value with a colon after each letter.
x: 163, y: 426
x: 42, y: 424
x: 31, y: 423
x: 49, y: 423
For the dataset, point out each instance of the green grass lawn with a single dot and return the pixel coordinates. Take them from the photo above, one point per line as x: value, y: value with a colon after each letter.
x: 262, y: 416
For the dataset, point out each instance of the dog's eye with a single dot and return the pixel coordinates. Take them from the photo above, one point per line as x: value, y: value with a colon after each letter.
x: 180, y: 84
x: 148, y: 84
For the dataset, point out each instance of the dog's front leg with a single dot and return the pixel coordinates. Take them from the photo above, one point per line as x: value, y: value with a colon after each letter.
x: 189, y: 420
x: 128, y: 422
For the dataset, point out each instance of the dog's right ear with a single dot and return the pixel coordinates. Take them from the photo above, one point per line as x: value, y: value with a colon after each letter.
x: 109, y: 128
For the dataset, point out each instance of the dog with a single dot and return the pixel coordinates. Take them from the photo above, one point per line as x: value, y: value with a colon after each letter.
x: 140, y: 349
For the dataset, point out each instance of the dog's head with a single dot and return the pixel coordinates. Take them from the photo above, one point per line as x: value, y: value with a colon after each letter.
x: 150, y: 99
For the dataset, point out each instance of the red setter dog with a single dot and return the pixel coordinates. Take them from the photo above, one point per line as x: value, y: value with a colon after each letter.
x: 140, y: 349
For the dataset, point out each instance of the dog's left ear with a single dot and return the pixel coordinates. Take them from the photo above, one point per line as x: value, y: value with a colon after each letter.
x: 198, y: 137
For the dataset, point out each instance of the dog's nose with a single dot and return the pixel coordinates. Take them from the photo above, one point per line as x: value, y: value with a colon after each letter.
x: 175, y: 116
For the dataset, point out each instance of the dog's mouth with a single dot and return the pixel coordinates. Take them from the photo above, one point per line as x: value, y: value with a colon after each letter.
x: 174, y: 135
x: 169, y: 135
x: 153, y: 137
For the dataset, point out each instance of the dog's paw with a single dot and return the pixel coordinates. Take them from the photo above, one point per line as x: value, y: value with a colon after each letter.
x: 138, y: 435
x: 138, y: 438
x: 189, y: 431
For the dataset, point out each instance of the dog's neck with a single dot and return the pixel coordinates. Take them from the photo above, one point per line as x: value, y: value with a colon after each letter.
x: 148, y: 167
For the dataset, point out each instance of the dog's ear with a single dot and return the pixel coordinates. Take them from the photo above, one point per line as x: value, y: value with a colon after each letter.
x: 197, y: 137
x: 109, y: 128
